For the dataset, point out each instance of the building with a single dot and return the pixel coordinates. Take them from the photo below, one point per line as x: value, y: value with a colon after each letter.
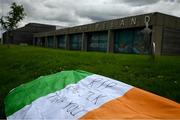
x: 142, y: 34
x: 25, y: 34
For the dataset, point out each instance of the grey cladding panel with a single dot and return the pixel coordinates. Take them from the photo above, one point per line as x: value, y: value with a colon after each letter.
x: 171, y: 42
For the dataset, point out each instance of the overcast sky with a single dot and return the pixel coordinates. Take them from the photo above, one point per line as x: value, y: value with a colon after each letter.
x: 77, y: 12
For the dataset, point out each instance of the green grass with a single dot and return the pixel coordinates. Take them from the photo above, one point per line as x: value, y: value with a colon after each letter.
x: 20, y: 64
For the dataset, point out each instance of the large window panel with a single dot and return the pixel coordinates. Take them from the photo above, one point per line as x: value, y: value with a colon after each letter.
x: 61, y: 41
x: 97, y: 41
x: 123, y: 41
x: 142, y: 42
x: 75, y: 41
x: 50, y: 41
x: 132, y: 41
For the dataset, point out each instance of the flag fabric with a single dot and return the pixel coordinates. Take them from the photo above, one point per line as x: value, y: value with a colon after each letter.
x: 84, y: 95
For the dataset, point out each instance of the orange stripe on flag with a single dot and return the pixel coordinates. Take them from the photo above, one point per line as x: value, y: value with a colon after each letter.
x: 137, y: 104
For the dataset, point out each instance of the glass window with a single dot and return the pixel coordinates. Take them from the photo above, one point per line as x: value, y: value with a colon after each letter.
x: 75, y: 42
x: 123, y: 41
x: 132, y: 41
x: 50, y: 41
x: 142, y: 42
x: 97, y: 41
x: 61, y: 41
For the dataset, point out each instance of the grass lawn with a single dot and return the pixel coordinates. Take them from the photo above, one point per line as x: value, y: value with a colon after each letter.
x: 20, y: 64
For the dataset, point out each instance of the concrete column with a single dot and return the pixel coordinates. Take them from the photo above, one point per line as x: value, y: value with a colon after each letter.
x: 38, y: 41
x: 34, y: 38
x: 46, y: 41
x: 84, y: 42
x: 55, y: 41
x: 157, y: 36
x: 110, y: 42
x: 67, y: 47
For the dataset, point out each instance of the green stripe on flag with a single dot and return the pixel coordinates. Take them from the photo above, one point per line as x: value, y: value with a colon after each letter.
x: 25, y: 94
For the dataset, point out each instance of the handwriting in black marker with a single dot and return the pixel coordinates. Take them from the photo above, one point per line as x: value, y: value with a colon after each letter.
x: 102, y: 84
x: 95, y: 100
x: 112, y: 84
x: 94, y: 97
x: 94, y: 81
x: 56, y: 98
x: 90, y: 93
x: 73, y: 108
x: 77, y: 112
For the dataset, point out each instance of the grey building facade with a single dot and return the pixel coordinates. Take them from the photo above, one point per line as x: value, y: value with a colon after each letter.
x: 142, y: 34
x: 25, y: 34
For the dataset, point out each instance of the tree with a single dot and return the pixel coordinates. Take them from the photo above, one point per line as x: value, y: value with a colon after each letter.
x: 10, y: 22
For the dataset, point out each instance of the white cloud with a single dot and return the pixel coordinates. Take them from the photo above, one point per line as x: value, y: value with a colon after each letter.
x: 76, y: 12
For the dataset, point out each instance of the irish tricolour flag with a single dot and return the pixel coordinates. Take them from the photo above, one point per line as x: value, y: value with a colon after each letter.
x: 83, y: 95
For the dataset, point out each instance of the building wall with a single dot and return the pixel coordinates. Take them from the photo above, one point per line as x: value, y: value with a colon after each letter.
x: 122, y: 23
x: 25, y: 34
x: 22, y: 37
x: 135, y: 34
x: 167, y: 34
x: 171, y: 41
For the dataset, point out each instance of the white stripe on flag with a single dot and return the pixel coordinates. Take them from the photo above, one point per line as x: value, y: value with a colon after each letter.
x: 75, y: 100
